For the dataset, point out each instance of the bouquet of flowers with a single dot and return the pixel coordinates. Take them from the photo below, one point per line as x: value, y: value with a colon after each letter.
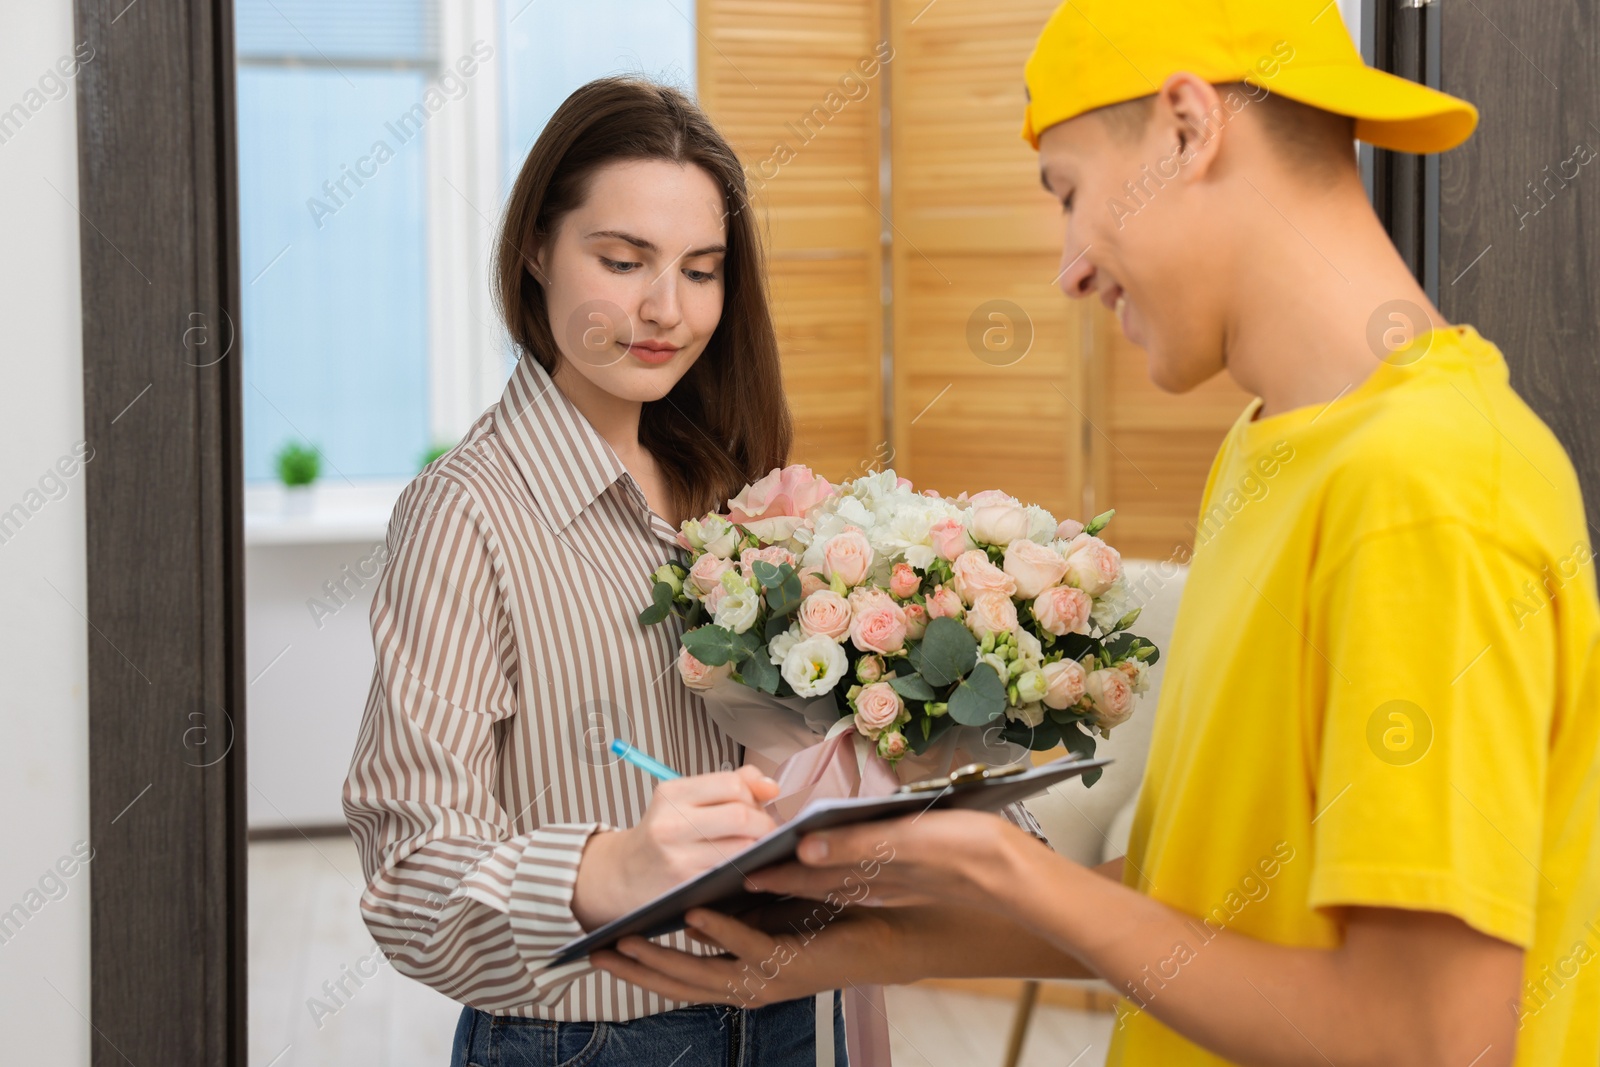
x: 904, y: 617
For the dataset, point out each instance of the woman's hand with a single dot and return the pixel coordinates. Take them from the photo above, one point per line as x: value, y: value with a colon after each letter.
x: 938, y: 857
x: 692, y: 825
x: 828, y: 950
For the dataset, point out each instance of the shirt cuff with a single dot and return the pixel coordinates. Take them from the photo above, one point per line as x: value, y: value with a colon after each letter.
x: 541, y: 902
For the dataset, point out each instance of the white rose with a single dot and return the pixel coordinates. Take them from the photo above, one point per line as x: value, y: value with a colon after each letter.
x: 738, y: 607
x: 814, y: 665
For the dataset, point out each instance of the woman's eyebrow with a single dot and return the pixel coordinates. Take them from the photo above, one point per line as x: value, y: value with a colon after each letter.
x: 649, y: 246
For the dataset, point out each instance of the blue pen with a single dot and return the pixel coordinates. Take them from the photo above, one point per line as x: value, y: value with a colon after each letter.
x: 645, y: 763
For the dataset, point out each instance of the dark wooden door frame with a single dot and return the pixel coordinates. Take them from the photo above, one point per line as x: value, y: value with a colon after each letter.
x: 1526, y: 284
x: 159, y: 247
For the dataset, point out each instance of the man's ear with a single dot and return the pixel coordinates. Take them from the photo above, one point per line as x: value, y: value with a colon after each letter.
x: 1194, y: 118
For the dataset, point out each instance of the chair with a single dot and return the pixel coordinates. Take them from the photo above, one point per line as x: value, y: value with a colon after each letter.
x: 1090, y: 825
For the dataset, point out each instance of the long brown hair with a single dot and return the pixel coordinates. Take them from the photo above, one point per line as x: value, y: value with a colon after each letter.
x: 726, y: 421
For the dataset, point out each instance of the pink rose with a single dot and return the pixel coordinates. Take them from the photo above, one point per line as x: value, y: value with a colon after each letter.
x: 826, y: 613
x: 878, y: 707
x: 992, y: 612
x: 1068, y: 529
x: 1063, y: 683
x: 892, y: 745
x: 1092, y: 565
x: 1112, y: 697
x: 773, y: 554
x: 863, y: 597
x: 972, y: 573
x: 1063, y: 610
x: 916, y: 621
x: 998, y: 523
x: 792, y: 491
x: 869, y: 669
x: 707, y: 572
x: 713, y: 599
x: 992, y: 496
x: 902, y: 483
x: 848, y: 556
x: 1035, y: 567
x: 949, y: 538
x: 904, y: 581
x: 697, y: 675
x: 943, y: 602
x: 879, y: 629
x: 810, y: 582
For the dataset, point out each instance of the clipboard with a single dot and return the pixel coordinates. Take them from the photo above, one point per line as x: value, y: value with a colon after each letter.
x: 974, y: 788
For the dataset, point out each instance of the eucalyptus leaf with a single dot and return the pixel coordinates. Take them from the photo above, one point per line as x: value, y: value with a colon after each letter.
x: 758, y: 672
x: 979, y: 699
x: 1079, y: 742
x: 714, y: 645
x: 913, y: 687
x: 946, y: 652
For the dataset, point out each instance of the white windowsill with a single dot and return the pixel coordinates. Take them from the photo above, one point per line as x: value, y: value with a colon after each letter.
x: 327, y: 513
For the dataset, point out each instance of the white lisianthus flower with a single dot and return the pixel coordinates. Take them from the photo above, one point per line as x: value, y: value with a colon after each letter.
x: 1031, y: 687
x: 739, y: 606
x: 778, y: 648
x: 998, y: 662
x: 1030, y: 715
x: 1030, y: 653
x: 1111, y: 605
x: 713, y: 534
x: 813, y: 666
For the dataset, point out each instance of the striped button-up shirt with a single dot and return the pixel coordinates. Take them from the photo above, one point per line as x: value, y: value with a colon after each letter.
x: 509, y: 656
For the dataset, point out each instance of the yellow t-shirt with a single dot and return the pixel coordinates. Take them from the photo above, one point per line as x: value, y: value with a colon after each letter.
x: 1384, y: 689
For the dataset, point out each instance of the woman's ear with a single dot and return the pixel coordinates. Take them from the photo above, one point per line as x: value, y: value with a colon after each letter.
x: 1194, y: 118
x: 533, y: 258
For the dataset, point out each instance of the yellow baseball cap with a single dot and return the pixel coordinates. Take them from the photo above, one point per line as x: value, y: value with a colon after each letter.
x: 1093, y: 53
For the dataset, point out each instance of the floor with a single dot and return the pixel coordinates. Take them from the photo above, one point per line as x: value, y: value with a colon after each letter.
x: 306, y: 935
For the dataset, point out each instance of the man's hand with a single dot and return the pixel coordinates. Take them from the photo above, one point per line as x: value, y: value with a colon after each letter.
x: 822, y: 952
x: 946, y: 857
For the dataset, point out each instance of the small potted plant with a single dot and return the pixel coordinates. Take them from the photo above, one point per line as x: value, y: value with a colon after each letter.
x: 298, y: 467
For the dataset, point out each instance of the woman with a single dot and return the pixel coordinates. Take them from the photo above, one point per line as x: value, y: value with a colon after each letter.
x: 493, y: 822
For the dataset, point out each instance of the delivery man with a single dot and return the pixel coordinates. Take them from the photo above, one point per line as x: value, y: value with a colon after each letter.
x: 1367, y: 831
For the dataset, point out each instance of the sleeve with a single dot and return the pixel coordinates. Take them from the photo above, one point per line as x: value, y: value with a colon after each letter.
x: 1439, y: 688
x: 453, y: 897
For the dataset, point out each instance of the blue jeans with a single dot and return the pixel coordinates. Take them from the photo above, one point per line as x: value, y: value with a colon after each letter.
x: 707, y: 1035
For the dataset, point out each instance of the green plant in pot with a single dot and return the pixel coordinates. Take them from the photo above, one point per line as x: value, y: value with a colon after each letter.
x: 298, y: 466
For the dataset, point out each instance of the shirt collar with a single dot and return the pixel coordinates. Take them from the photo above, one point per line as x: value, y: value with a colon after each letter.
x: 562, y: 456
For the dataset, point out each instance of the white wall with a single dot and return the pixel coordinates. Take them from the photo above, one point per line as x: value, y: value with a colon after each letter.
x: 44, y: 965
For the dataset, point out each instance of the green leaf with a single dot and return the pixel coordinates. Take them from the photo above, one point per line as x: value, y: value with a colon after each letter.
x: 784, y: 597
x: 979, y: 699
x: 776, y: 624
x: 1078, y: 742
x: 1098, y: 523
x: 770, y: 575
x: 913, y: 687
x: 759, y: 672
x: 946, y: 652
x: 1076, y: 645
x: 1041, y: 738
x: 661, y: 596
x: 714, y: 645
